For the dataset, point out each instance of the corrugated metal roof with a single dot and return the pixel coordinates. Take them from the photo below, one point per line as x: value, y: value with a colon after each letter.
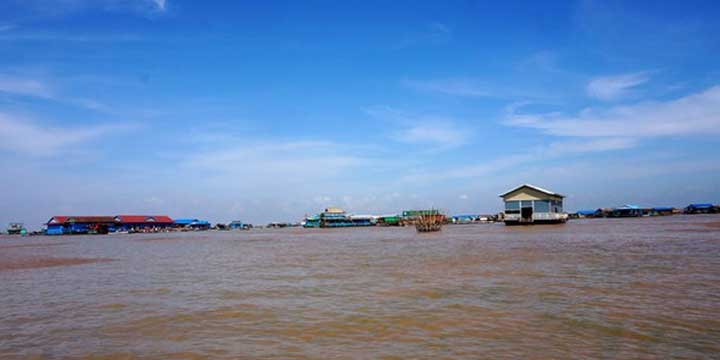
x: 701, y: 205
x: 90, y: 219
x: 537, y: 188
x: 136, y: 219
x: 628, y: 206
x: 57, y: 220
x: 185, y: 221
x: 663, y: 208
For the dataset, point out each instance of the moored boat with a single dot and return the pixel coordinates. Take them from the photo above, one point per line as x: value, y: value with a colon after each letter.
x: 16, y: 229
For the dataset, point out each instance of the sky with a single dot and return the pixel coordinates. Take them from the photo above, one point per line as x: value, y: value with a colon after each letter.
x: 272, y: 110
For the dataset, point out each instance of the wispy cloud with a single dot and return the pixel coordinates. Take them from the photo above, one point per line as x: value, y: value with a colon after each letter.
x: 695, y: 114
x: 40, y: 87
x: 62, y: 36
x: 27, y: 137
x: 472, y: 87
x: 276, y: 167
x: 615, y: 87
x: 457, y: 86
x: 430, y: 33
x: 438, y: 133
x: 440, y: 31
x: 56, y: 8
x: 23, y: 86
x: 551, y: 151
x: 160, y: 4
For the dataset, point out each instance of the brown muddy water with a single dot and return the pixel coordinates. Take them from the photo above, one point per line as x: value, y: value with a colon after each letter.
x: 606, y: 288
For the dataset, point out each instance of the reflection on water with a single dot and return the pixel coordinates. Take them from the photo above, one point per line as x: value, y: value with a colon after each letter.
x: 618, y: 288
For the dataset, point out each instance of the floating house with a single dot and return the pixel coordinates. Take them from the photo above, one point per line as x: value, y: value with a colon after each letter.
x: 89, y: 224
x: 410, y: 217
x: 278, y: 225
x: 417, y: 213
x: 703, y: 208
x: 336, y: 217
x: 626, y: 211
x: 193, y: 224
x: 59, y: 225
x: 389, y: 220
x: 588, y: 213
x: 56, y: 225
x: 661, y: 211
x: 311, y: 222
x: 239, y: 225
x: 464, y: 218
x: 142, y: 222
x: 529, y: 204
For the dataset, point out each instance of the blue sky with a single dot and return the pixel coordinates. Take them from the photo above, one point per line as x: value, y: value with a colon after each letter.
x: 267, y: 111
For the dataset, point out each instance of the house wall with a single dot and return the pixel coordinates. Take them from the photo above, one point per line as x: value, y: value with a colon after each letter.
x: 55, y: 230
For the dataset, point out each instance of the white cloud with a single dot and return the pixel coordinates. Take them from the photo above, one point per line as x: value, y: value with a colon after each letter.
x: 26, y: 137
x: 554, y: 150
x: 68, y: 7
x: 615, y: 87
x: 441, y: 133
x: 561, y: 148
x: 695, y: 114
x: 22, y: 86
x: 458, y: 87
x: 39, y: 87
x: 267, y: 163
x: 69, y: 37
x: 438, y: 131
x: 440, y: 32
x: 160, y: 4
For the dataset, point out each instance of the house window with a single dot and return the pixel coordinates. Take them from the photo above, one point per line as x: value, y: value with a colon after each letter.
x: 512, y: 207
x: 542, y: 206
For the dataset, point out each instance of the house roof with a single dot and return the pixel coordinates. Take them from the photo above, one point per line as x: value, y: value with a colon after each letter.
x: 629, y: 206
x: 185, y: 221
x: 701, y: 205
x: 62, y: 219
x: 90, y: 219
x: 536, y: 188
x: 59, y: 219
x: 663, y: 208
x: 586, y: 212
x: 135, y: 219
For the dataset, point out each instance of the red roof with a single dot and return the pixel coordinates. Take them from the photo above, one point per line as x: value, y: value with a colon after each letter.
x: 90, y: 219
x: 57, y: 220
x: 137, y: 219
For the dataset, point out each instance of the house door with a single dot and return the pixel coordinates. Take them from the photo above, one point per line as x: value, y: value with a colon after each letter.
x: 526, y: 214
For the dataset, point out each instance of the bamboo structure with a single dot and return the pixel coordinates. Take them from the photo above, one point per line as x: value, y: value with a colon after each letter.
x: 429, y: 222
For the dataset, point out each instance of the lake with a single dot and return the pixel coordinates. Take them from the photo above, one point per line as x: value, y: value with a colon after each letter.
x: 596, y: 288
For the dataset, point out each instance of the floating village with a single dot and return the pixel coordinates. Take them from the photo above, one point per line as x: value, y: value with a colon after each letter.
x: 524, y: 205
